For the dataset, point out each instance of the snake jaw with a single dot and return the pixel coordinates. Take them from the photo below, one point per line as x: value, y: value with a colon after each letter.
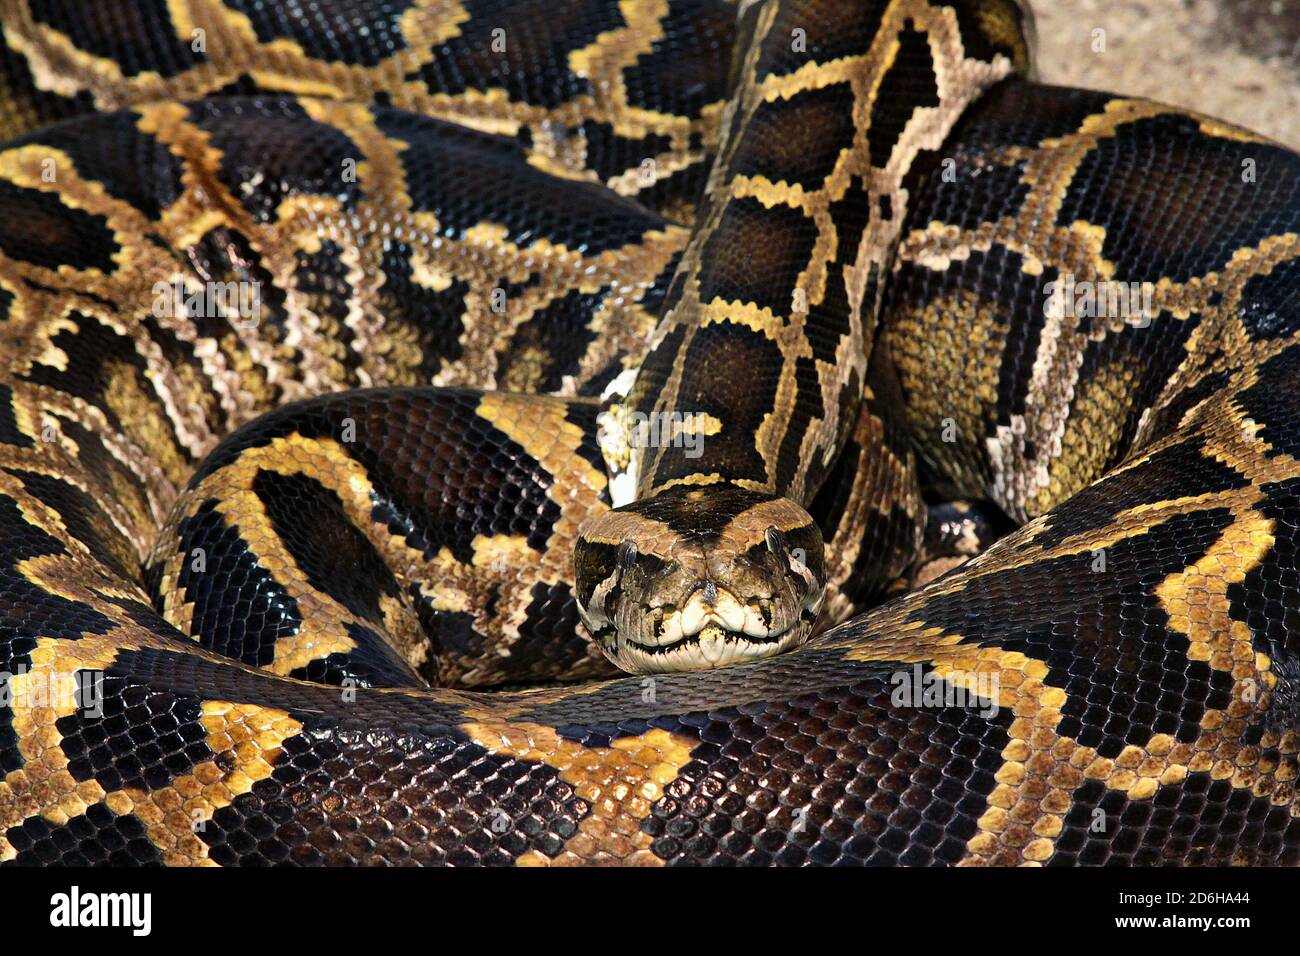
x: 700, y: 637
x: 663, y: 585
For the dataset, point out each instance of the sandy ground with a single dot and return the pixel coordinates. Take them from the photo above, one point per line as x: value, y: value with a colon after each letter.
x: 1238, y: 60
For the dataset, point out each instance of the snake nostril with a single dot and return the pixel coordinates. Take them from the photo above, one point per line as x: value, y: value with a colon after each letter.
x: 710, y: 593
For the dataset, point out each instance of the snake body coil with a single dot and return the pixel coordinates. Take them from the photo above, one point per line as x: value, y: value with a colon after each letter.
x: 328, y: 336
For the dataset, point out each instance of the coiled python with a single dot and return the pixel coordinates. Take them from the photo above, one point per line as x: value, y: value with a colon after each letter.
x: 331, y: 331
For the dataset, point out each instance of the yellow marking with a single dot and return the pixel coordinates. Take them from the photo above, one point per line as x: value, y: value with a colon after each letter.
x: 246, y: 740
x: 1196, y: 599
x: 55, y: 63
x: 1079, y: 454
x: 134, y: 496
x: 1116, y: 113
x: 128, y: 398
x: 1042, y: 769
x: 1221, y: 130
x: 540, y: 426
x: 770, y: 193
x: 620, y: 782
x: 1031, y: 785
x: 24, y: 166
x: 503, y: 562
x: 494, y: 587
x: 323, y: 629
x: 427, y: 274
x: 613, y: 51
x: 701, y: 479
x: 959, y: 79
x: 735, y: 312
x: 302, y: 86
x: 232, y: 48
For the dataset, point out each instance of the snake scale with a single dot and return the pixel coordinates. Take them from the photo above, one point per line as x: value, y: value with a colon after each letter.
x: 375, y: 373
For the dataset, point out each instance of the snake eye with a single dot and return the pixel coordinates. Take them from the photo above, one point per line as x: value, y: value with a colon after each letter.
x: 775, y: 540
x: 626, y: 555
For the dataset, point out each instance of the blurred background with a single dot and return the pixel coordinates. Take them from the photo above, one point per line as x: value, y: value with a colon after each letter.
x: 1237, y: 60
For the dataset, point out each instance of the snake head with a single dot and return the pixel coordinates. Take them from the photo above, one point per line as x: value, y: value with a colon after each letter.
x: 695, y: 578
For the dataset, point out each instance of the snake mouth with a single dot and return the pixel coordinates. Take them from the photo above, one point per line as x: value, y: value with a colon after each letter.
x: 695, y: 639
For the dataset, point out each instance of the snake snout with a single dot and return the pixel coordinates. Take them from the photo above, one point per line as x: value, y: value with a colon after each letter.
x: 698, y: 578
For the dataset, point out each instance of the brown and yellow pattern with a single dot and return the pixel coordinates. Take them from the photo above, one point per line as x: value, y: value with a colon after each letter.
x: 625, y: 93
x: 757, y: 368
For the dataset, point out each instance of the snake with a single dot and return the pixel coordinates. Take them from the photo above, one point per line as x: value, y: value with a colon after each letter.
x: 635, y: 432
